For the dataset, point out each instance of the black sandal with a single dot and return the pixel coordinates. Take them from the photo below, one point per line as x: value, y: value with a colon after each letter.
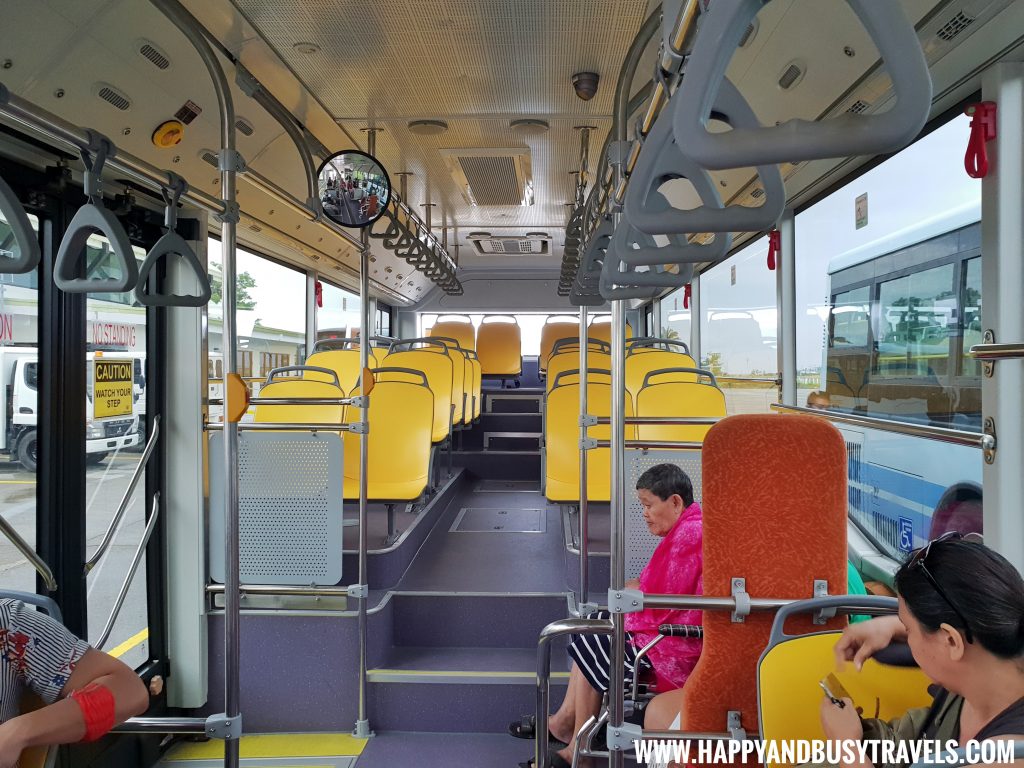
x: 526, y: 728
x: 555, y: 760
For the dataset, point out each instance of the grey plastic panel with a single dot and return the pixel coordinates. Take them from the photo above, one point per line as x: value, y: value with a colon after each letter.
x: 28, y: 244
x: 662, y: 159
x: 289, y: 506
x: 172, y: 244
x: 94, y: 218
x: 722, y: 27
x: 640, y: 542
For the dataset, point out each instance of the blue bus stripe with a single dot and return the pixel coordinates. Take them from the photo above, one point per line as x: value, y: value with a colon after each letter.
x: 914, y: 489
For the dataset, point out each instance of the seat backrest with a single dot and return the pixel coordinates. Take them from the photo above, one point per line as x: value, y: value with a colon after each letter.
x: 639, y: 364
x: 294, y: 388
x: 438, y: 368
x: 344, y: 362
x: 549, y: 334
x: 603, y: 330
x: 500, y: 348
x: 477, y: 380
x: 774, y: 512
x: 570, y: 360
x: 401, y: 430
x: 678, y: 399
x: 562, y: 434
x: 790, y: 699
x: 460, y: 330
x: 462, y: 379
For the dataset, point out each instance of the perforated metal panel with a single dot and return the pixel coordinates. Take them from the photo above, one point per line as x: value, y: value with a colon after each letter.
x: 289, y: 506
x: 640, y: 542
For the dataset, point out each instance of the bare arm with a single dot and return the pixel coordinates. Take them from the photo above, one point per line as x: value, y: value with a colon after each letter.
x: 62, y: 721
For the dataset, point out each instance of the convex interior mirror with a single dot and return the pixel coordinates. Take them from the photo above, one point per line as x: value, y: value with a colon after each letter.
x: 354, y: 188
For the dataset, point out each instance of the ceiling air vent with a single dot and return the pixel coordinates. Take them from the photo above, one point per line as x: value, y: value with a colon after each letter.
x: 955, y: 26
x: 792, y: 75
x: 492, y: 176
x: 244, y: 126
x: 534, y: 244
x: 114, y: 97
x: 858, y: 107
x: 255, y: 228
x: 748, y: 36
x: 155, y: 56
x: 209, y: 156
x: 757, y: 194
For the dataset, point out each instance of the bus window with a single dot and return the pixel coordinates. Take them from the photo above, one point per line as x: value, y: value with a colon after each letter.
x: 970, y: 304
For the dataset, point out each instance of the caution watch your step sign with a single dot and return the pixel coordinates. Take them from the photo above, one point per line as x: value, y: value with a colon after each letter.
x: 112, y: 388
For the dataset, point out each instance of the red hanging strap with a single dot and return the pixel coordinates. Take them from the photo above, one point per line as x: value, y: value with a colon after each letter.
x: 774, y: 247
x: 319, y: 294
x: 687, y: 292
x: 983, y: 129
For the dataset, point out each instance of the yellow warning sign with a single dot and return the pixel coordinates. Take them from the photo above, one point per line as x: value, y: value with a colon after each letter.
x: 112, y: 388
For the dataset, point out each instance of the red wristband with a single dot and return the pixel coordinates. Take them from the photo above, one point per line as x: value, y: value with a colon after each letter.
x: 97, y: 705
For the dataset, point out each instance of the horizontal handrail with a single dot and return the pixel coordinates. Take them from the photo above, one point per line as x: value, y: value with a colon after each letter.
x: 29, y: 554
x: 162, y: 725
x: 675, y: 421
x: 942, y: 434
x: 154, y: 515
x: 300, y: 401
x: 284, y: 591
x: 997, y: 351
x: 777, y: 381
x: 126, y: 498
x: 655, y: 445
x: 341, y: 426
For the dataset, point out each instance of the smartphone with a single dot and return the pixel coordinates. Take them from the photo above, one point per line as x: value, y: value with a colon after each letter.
x: 834, y: 690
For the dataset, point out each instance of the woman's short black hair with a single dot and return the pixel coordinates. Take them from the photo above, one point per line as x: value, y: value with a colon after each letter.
x: 983, y: 586
x: 663, y: 480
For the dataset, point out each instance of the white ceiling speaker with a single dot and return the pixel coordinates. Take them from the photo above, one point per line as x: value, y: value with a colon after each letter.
x: 427, y: 127
x: 529, y: 127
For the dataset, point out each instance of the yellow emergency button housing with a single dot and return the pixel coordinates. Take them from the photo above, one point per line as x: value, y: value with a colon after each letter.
x: 168, y: 134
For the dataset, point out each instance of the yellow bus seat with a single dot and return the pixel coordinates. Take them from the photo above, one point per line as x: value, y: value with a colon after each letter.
x: 638, y: 365
x: 462, y: 379
x: 672, y: 397
x: 500, y: 348
x: 570, y: 360
x: 296, y: 388
x: 789, y: 697
x: 756, y: 493
x: 562, y: 435
x: 460, y: 330
x: 563, y: 327
x: 603, y: 330
x: 477, y: 385
x: 439, y: 372
x: 344, y: 363
x: 401, y: 418
x: 651, y: 343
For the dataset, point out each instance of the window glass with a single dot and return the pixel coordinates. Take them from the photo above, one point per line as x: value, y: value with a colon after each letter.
x: 970, y: 304
x: 270, y: 303
x: 19, y: 369
x: 338, y: 318
x: 675, y: 318
x: 851, y: 318
x: 917, y: 315
x: 116, y: 430
x: 738, y: 328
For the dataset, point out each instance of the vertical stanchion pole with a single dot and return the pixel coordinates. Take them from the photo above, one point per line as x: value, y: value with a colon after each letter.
x: 695, y: 320
x: 584, y: 520
x: 1002, y: 274
x: 362, y: 729
x: 785, y: 277
x: 655, y: 329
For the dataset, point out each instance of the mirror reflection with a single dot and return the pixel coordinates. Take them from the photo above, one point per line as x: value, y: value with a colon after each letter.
x: 354, y: 189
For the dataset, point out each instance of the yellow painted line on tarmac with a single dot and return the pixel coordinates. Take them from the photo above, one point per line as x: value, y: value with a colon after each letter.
x: 283, y: 745
x: 17, y: 482
x: 130, y: 643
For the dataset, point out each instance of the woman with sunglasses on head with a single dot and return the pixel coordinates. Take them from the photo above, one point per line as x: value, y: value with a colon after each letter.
x: 961, y: 611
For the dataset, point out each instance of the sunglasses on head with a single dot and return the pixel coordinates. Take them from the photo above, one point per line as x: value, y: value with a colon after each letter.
x: 917, y: 560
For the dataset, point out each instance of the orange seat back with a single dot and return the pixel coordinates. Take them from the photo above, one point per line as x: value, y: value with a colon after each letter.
x: 552, y: 332
x: 774, y: 509
x: 499, y: 347
x: 460, y: 330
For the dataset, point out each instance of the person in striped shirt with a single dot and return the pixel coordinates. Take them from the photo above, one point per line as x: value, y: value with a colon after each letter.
x: 86, y: 692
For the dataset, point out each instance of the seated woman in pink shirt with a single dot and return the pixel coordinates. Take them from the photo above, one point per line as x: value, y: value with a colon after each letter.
x: 666, y: 494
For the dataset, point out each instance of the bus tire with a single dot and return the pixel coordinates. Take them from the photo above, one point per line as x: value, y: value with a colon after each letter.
x: 92, y: 459
x: 28, y: 451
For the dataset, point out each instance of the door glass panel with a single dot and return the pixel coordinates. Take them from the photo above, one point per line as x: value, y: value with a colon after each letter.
x: 19, y: 373
x: 115, y: 434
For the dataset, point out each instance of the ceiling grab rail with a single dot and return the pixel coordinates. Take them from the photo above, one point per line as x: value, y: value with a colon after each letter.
x: 132, y: 570
x: 664, y: 158
x: 90, y: 218
x: 172, y: 243
x: 723, y: 26
x: 29, y: 554
x: 93, y: 561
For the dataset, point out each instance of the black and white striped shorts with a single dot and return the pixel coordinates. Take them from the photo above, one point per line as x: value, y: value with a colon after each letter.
x: 592, y: 654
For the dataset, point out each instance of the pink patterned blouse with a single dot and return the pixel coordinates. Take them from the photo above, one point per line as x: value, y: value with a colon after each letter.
x: 675, y: 568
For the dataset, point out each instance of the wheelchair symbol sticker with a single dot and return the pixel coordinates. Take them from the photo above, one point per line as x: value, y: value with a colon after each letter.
x: 906, y: 535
